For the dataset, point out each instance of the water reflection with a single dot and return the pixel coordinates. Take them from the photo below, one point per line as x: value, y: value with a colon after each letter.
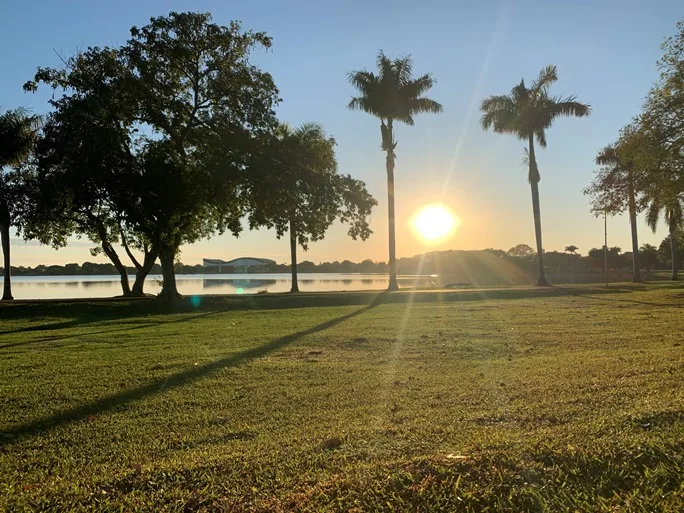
x: 237, y: 284
x: 48, y: 287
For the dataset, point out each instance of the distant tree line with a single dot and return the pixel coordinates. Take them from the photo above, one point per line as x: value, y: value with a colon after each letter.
x: 520, y: 258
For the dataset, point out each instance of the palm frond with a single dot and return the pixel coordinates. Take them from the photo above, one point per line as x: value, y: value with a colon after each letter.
x: 653, y: 214
x: 362, y: 80
x: 541, y: 138
x: 569, y: 107
x: 403, y: 68
x: 420, y: 105
x: 546, y: 77
x: 608, y: 156
x: 417, y: 87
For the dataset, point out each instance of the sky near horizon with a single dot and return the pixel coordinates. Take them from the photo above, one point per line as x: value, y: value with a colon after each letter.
x: 606, y: 53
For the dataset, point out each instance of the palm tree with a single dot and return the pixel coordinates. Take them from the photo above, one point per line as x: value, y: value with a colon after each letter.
x: 17, y: 134
x: 392, y: 95
x: 528, y: 113
x: 621, y: 172
x: 670, y: 205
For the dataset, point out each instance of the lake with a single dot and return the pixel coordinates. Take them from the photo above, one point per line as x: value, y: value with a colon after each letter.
x: 53, y: 287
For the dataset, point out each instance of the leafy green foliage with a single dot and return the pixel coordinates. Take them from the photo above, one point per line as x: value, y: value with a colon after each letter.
x: 178, y: 106
x: 299, y: 189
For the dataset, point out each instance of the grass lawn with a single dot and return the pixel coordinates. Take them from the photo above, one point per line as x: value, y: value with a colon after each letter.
x: 561, y: 400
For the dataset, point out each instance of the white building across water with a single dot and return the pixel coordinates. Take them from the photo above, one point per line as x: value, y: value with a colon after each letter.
x: 239, y: 265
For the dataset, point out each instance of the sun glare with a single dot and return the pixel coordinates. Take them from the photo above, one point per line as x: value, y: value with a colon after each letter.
x: 435, y: 223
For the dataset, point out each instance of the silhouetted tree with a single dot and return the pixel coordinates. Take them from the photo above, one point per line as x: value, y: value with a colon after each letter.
x: 521, y: 251
x: 571, y: 249
x: 648, y: 255
x: 527, y: 113
x: 189, y: 82
x: 393, y: 94
x: 17, y: 136
x: 616, y: 185
x: 302, y: 193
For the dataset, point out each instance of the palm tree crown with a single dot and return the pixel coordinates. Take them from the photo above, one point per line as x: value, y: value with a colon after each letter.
x: 529, y: 111
x: 392, y: 93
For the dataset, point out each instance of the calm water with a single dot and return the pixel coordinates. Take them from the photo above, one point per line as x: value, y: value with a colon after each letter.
x: 49, y: 287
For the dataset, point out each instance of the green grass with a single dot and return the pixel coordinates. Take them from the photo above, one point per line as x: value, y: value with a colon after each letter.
x: 518, y: 400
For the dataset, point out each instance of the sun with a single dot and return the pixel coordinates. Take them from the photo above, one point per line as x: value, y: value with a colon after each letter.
x: 434, y: 223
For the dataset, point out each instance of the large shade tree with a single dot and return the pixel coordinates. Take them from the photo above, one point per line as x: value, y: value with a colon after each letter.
x: 87, y: 171
x: 392, y: 94
x: 193, y: 104
x: 17, y: 136
x: 527, y: 112
x: 299, y: 191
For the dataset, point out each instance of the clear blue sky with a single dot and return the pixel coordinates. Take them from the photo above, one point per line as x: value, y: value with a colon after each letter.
x: 606, y: 53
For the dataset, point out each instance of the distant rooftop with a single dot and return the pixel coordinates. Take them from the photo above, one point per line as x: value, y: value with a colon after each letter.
x: 237, y: 262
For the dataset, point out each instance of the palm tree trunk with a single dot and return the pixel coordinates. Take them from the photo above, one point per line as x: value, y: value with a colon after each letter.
x: 393, y: 285
x: 636, y: 275
x: 673, y: 247
x: 293, y: 257
x: 7, y: 268
x: 534, y: 186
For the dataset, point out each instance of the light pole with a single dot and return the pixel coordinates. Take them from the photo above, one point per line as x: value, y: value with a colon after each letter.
x: 605, y: 245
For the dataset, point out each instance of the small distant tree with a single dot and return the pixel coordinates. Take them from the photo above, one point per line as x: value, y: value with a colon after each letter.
x: 571, y: 249
x: 522, y: 252
x: 393, y: 94
x: 303, y: 194
x: 527, y: 112
x: 648, y: 255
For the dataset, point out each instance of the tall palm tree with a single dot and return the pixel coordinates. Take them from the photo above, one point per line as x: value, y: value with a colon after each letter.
x: 620, y: 173
x: 393, y: 94
x: 527, y: 112
x: 670, y: 205
x: 17, y: 133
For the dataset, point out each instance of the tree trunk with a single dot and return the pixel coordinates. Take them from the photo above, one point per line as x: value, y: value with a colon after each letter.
x: 393, y: 285
x: 293, y: 257
x: 7, y: 268
x: 534, y: 186
x: 143, y: 271
x: 636, y: 272
x: 169, y: 292
x: 111, y: 254
x: 673, y: 248
x: 123, y: 272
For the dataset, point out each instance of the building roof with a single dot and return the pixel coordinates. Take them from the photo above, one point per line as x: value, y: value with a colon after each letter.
x: 237, y: 262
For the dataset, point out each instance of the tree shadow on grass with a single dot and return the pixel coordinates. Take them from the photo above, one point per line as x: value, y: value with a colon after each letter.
x: 621, y: 299
x: 59, y: 338
x: 170, y: 382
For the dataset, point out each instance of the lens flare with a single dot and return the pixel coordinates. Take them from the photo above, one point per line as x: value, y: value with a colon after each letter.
x: 435, y: 223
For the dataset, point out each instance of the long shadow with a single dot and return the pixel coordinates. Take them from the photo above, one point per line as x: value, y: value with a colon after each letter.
x: 58, y: 338
x: 623, y: 300
x: 168, y: 383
